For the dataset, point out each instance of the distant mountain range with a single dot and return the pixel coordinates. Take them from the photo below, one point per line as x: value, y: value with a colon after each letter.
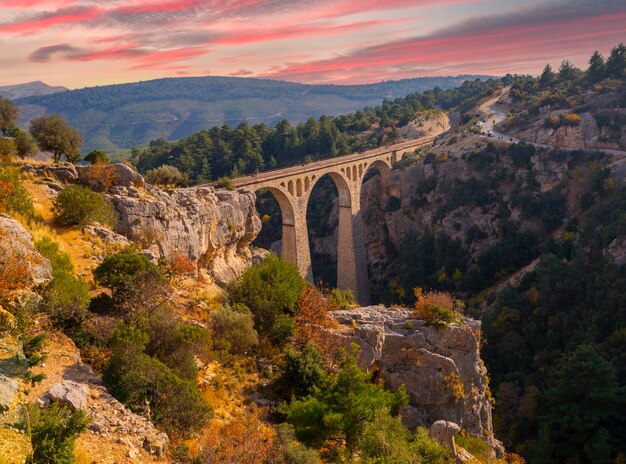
x: 28, y: 89
x: 125, y: 115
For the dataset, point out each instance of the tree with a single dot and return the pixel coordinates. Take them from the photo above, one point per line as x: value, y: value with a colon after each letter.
x: 597, y: 67
x: 583, y: 404
x: 548, y: 77
x: 567, y: 71
x: 76, y: 205
x: 97, y: 157
x: 616, y: 63
x: 52, y: 133
x: 271, y: 290
x: 25, y: 144
x: 337, y: 412
x: 8, y: 115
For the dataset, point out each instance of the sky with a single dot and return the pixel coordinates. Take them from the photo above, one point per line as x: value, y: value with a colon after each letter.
x: 78, y: 43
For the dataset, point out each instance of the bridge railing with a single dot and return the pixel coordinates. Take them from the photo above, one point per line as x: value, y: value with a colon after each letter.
x: 330, y: 162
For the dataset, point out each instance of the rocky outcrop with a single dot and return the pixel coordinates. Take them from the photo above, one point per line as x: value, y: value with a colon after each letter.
x: 98, y: 177
x: 443, y: 432
x: 107, y: 236
x: 69, y: 393
x: 441, y: 369
x: 8, y: 390
x: 212, y: 227
x: 19, y: 259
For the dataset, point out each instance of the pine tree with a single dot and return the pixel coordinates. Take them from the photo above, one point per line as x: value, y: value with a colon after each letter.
x: 616, y: 64
x: 597, y: 67
x: 547, y: 76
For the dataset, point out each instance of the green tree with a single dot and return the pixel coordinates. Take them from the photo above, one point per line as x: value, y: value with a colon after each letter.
x: 337, y: 412
x: 166, y: 175
x: 96, y: 157
x: 616, y: 63
x: 76, y: 205
x: 304, y: 370
x: 52, y: 133
x: 567, y: 71
x: 8, y: 115
x: 548, y: 76
x: 13, y: 195
x: 25, y: 144
x: 385, y: 440
x: 597, y: 67
x: 583, y: 411
x: 53, y: 432
x: 271, y: 290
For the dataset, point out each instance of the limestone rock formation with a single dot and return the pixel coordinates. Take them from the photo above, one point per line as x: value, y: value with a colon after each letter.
x: 8, y: 390
x: 212, y: 227
x: 109, y: 237
x: 18, y: 254
x: 441, y: 369
x: 443, y: 432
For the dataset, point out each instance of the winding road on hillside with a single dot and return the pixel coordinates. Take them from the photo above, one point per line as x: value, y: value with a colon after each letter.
x: 497, y: 114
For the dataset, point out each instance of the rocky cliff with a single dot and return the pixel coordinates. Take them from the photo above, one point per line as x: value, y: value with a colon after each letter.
x: 211, y: 227
x: 441, y: 369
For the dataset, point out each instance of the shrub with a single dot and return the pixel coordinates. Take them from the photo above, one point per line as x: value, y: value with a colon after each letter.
x: 8, y: 148
x: 570, y: 119
x: 341, y: 299
x: 145, y: 383
x: 235, y: 326
x: 50, y: 250
x: 304, y: 370
x: 25, y: 144
x: 53, y: 432
x: 166, y: 175
x: 290, y: 449
x: 120, y: 271
x: 66, y: 299
x: 225, y: 182
x: 393, y: 204
x: 97, y: 157
x: 13, y: 196
x: 270, y: 289
x: 79, y: 206
x: 436, y: 308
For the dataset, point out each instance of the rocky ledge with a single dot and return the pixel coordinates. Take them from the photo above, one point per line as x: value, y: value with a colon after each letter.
x: 440, y: 368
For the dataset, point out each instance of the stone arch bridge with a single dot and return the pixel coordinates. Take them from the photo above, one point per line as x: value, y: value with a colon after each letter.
x: 292, y: 187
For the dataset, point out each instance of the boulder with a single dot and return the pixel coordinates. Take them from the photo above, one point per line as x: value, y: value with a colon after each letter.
x: 443, y: 432
x: 617, y: 250
x: 109, y: 237
x: 64, y: 172
x: 8, y: 390
x: 105, y: 176
x: 7, y: 321
x: 19, y: 257
x: 70, y: 393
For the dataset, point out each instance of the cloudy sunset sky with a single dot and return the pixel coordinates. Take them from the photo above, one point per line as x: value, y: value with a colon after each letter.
x: 79, y: 43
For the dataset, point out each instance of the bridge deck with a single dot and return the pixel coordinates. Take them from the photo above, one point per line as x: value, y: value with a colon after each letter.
x: 302, y: 169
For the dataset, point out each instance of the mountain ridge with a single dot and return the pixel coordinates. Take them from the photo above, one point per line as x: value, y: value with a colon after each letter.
x: 125, y: 115
x: 29, y: 89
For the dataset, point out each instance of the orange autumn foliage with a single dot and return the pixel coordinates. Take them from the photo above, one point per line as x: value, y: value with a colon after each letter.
x: 14, y: 269
x: 244, y: 440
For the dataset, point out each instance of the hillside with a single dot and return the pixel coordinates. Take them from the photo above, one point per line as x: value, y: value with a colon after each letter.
x: 28, y: 89
x: 126, y: 115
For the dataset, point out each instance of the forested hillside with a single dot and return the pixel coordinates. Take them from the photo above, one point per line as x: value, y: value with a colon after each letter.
x: 125, y: 115
x: 226, y: 151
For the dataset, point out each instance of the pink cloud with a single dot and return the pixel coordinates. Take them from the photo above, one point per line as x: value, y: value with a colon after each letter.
x: 156, y: 59
x: 62, y: 17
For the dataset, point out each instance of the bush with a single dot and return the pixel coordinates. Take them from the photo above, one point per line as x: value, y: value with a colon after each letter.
x: 13, y: 196
x: 235, y: 326
x: 166, y: 175
x: 271, y: 290
x: 8, y: 148
x: 304, y: 370
x: 436, y: 308
x: 66, y: 299
x: 225, y: 183
x: 120, y: 271
x: 341, y: 299
x: 79, y: 206
x: 53, y: 432
x: 142, y: 381
x: 290, y: 449
x: 50, y: 250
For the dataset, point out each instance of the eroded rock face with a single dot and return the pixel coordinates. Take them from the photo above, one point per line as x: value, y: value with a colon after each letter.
x: 69, y: 393
x: 441, y: 369
x: 18, y: 254
x: 212, y: 227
